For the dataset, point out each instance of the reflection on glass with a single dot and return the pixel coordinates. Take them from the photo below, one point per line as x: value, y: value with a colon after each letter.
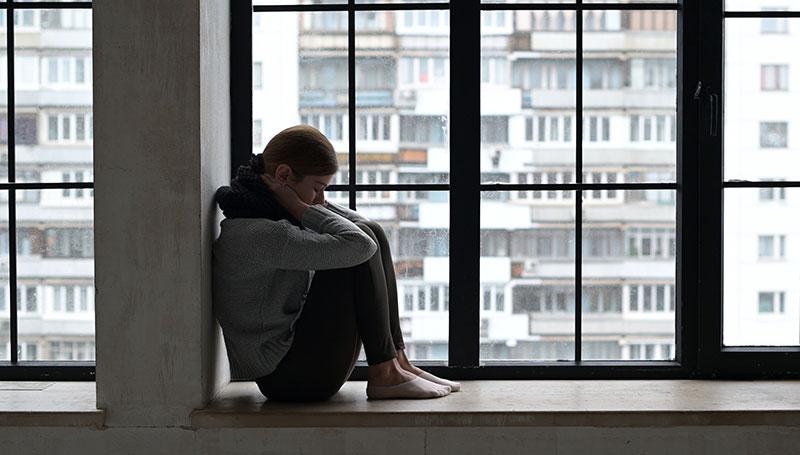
x: 761, y: 285
x: 300, y: 76
x: 527, y: 273
x: 761, y: 121
x: 55, y: 268
x: 628, y: 295
x: 402, y: 96
x: 417, y: 226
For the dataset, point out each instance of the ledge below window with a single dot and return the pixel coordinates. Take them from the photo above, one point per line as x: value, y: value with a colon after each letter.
x: 615, y: 403
x: 55, y: 404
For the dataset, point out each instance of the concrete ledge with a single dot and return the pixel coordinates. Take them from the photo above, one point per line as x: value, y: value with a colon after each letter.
x: 50, y: 404
x: 585, y: 403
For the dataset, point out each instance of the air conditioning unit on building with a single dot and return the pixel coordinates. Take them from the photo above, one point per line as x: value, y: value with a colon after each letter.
x: 531, y: 265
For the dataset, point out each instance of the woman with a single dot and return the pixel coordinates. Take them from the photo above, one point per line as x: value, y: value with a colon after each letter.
x: 301, y: 282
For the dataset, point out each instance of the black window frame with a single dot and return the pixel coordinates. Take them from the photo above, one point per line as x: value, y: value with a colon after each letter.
x: 699, y: 352
x: 15, y: 369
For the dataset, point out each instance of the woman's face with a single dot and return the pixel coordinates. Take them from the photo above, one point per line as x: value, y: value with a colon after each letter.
x: 310, y: 188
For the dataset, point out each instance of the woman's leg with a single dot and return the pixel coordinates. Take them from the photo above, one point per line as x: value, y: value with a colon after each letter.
x: 391, y: 283
x: 394, y: 318
x: 307, y: 372
x: 342, y: 306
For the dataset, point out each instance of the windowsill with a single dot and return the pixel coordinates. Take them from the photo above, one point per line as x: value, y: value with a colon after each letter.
x: 52, y: 404
x: 616, y: 403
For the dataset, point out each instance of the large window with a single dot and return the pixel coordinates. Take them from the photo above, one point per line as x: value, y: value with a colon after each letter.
x: 46, y: 174
x: 545, y: 222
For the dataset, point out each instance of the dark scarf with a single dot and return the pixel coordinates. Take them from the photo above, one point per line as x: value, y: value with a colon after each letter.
x: 249, y: 197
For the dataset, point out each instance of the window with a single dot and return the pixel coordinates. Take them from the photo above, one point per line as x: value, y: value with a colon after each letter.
x: 771, y: 246
x: 422, y: 129
x: 67, y: 70
x: 773, y: 134
x: 771, y: 302
x: 52, y: 144
x: 775, y: 77
x: 652, y: 128
x: 257, y: 134
x: 68, y: 128
x: 256, y: 75
x: 373, y: 127
x: 553, y: 128
x: 771, y: 25
x: 598, y: 234
x: 596, y: 129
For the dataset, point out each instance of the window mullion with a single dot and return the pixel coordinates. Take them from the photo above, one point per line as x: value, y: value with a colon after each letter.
x: 464, y: 132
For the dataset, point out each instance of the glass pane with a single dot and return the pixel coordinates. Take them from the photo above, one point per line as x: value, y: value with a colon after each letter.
x: 527, y: 95
x: 5, y: 305
x: 629, y: 94
x: 762, y: 125
x: 761, y: 290
x: 53, y: 87
x: 55, y: 267
x: 296, y: 2
x: 527, y: 297
x: 417, y: 225
x: 402, y: 96
x: 761, y: 5
x: 527, y: 1
x: 3, y: 103
x: 311, y: 86
x: 629, y: 1
x: 628, y: 296
x: 402, y: 1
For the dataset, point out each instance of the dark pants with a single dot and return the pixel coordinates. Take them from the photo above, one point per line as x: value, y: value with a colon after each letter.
x: 344, y: 308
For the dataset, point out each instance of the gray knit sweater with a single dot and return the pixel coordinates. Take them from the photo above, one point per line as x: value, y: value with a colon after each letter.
x: 262, y: 270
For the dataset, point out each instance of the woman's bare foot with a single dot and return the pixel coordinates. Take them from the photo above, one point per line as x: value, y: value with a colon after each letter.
x: 406, y: 365
x: 388, y: 380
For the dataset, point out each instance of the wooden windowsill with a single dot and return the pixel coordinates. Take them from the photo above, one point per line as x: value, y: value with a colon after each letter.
x: 641, y: 403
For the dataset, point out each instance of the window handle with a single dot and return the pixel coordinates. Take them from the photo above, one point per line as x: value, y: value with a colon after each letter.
x: 698, y: 90
x: 714, y: 101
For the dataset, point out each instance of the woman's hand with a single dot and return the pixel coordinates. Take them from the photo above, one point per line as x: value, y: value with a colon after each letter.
x: 287, y: 197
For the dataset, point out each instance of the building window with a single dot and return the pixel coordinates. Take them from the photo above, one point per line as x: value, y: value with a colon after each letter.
x: 373, y: 127
x: 257, y: 75
x: 775, y: 77
x: 65, y: 128
x: 773, y: 134
x: 67, y: 70
x: 771, y: 302
x: 771, y: 246
x: 257, y: 133
x: 771, y: 194
x: 770, y: 25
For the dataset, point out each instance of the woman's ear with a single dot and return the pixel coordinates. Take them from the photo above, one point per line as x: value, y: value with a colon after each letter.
x: 282, y: 173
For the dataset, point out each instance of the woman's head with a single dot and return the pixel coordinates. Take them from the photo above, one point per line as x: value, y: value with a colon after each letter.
x: 301, y: 157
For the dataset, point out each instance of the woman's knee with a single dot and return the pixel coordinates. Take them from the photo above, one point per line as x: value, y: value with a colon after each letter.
x: 365, y: 226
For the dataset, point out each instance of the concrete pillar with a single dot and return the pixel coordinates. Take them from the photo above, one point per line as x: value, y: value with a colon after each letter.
x: 162, y: 146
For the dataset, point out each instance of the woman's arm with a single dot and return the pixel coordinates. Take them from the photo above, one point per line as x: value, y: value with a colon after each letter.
x: 329, y: 242
x: 351, y: 215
